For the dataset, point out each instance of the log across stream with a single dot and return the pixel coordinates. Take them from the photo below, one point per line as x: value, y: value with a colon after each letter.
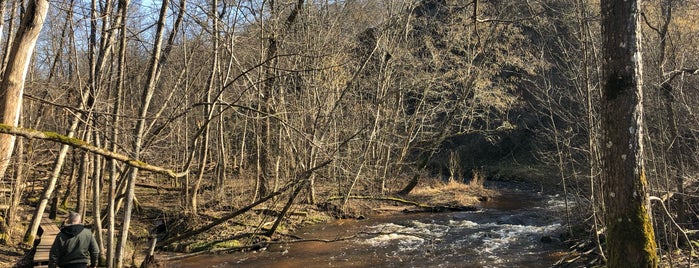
x: 516, y: 229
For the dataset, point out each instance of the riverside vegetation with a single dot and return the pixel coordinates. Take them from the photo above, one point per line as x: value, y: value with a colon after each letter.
x: 222, y: 125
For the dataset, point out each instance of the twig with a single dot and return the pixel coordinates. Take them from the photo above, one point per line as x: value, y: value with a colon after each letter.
x: 300, y: 178
x: 667, y: 212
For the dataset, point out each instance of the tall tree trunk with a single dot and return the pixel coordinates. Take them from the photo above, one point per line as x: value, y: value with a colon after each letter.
x: 116, y: 110
x: 12, y: 85
x: 139, y: 132
x: 3, y: 5
x: 630, y: 235
x: 222, y: 164
x: 208, y: 110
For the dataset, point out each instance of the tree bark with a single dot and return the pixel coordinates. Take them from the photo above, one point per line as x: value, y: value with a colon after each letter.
x: 83, y: 170
x: 96, y: 196
x: 630, y: 235
x: 139, y: 131
x: 116, y: 110
x: 12, y: 85
x: 208, y: 111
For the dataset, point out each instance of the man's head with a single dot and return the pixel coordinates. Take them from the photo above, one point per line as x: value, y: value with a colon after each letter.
x: 73, y: 218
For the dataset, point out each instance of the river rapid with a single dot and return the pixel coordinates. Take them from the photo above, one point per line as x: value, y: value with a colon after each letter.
x: 517, y: 229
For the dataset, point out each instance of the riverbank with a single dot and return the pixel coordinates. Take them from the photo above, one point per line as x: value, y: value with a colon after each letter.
x: 505, y: 231
x: 246, y: 233
x: 157, y: 208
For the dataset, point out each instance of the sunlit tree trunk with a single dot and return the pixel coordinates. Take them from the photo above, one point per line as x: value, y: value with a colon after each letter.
x: 3, y: 5
x: 83, y: 170
x: 208, y: 109
x: 139, y: 132
x: 116, y: 110
x: 50, y: 185
x: 12, y: 85
x: 630, y: 235
x: 97, y: 195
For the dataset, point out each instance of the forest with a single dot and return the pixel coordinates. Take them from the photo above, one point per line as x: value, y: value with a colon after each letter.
x: 198, y: 114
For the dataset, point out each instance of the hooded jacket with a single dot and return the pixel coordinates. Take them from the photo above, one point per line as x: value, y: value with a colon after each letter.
x: 74, y: 244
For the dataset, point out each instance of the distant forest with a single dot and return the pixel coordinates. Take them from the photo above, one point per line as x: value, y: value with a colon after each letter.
x: 238, y: 100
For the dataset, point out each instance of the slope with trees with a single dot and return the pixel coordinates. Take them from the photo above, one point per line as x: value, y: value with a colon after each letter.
x: 242, y: 111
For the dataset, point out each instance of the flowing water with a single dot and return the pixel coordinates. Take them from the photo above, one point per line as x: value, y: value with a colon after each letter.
x: 506, y: 232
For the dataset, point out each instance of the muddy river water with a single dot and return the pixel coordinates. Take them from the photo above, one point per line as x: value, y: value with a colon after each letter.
x: 506, y: 232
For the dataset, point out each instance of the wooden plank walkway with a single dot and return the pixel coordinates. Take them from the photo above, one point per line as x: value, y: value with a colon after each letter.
x: 49, y: 231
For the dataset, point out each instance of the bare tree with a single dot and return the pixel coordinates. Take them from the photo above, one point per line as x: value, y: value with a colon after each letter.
x: 114, y: 135
x: 12, y: 85
x: 139, y: 131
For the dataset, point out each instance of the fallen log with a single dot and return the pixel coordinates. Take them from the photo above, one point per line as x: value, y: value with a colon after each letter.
x: 420, y: 207
x: 78, y: 143
x: 299, y: 179
x: 158, y: 187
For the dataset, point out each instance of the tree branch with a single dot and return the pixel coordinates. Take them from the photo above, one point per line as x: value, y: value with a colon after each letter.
x: 674, y: 73
x: 78, y: 143
x: 299, y: 178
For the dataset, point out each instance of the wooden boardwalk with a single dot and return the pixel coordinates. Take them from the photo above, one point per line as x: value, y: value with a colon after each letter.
x: 49, y: 230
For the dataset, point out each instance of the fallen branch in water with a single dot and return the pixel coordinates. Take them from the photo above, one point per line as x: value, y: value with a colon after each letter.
x: 380, y: 198
x: 264, y: 244
x: 421, y: 207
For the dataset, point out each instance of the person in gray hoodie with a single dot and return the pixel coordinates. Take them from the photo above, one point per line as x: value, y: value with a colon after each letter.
x: 75, y: 246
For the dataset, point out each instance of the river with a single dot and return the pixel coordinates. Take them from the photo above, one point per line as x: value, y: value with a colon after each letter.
x: 506, y: 232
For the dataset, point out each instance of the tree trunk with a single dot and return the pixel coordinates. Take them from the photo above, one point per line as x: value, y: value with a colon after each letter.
x: 208, y: 111
x: 139, y: 132
x: 96, y: 196
x: 51, y: 184
x: 3, y: 5
x: 630, y: 235
x: 15, y: 195
x: 12, y: 85
x: 116, y: 110
x: 83, y: 170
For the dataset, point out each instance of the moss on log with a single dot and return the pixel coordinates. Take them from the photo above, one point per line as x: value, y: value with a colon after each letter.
x: 78, y: 143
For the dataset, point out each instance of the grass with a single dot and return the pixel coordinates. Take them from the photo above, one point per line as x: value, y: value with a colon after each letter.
x: 438, y: 192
